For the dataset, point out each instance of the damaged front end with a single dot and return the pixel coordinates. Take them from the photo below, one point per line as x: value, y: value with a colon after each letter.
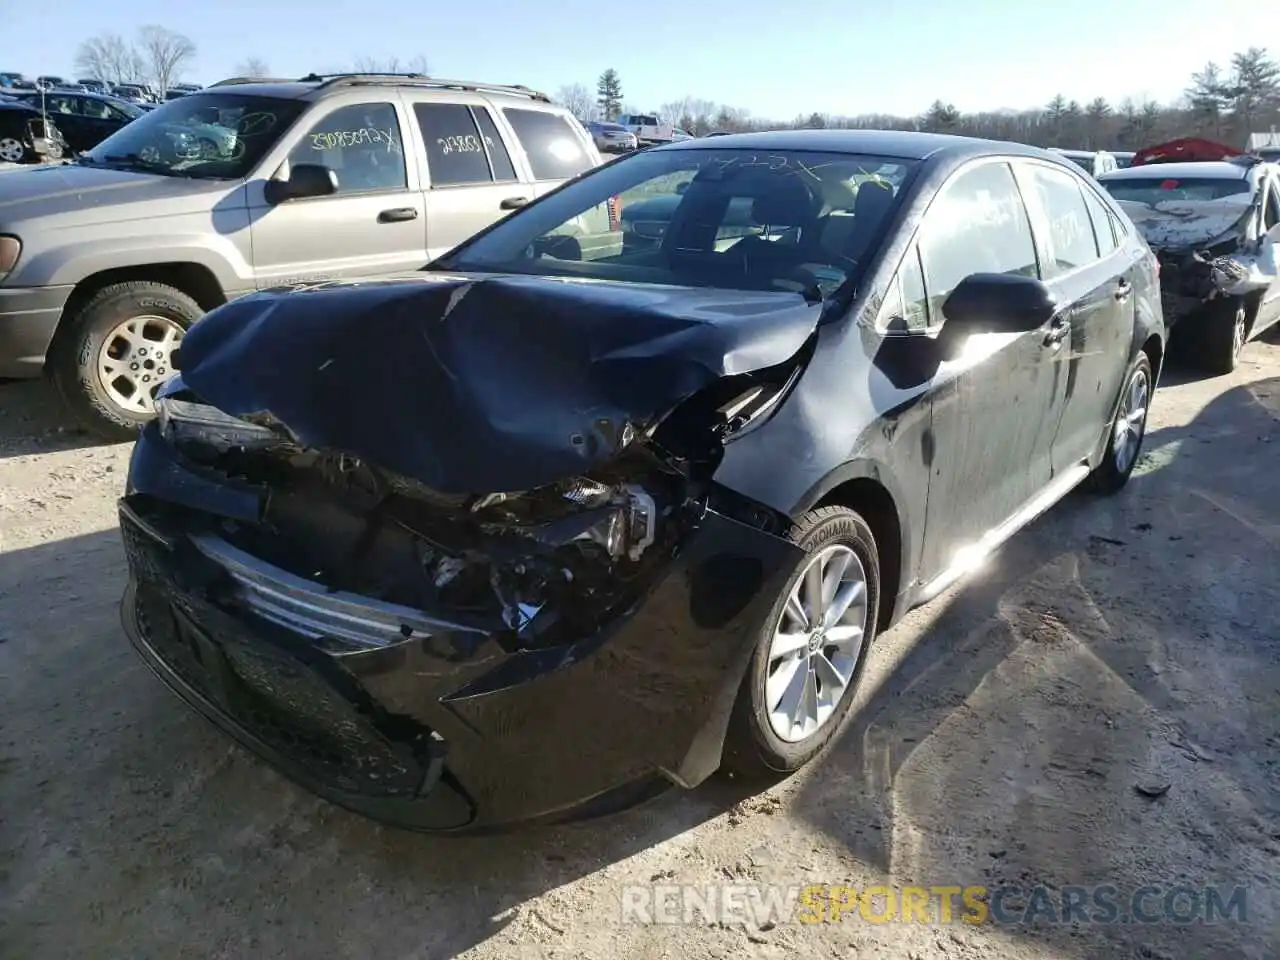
x: 1207, y: 250
x: 473, y: 631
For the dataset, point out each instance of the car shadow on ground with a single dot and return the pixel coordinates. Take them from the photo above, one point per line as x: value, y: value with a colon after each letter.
x: 1095, y: 708
x: 33, y: 420
x: 1006, y: 746
x: 144, y: 824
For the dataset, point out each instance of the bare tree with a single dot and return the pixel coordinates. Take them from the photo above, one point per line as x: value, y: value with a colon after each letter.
x: 578, y: 100
x: 252, y: 67
x: 166, y: 54
x: 110, y: 58
x: 415, y: 64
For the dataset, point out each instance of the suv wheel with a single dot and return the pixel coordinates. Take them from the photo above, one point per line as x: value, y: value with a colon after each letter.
x: 109, y: 363
x: 810, y: 655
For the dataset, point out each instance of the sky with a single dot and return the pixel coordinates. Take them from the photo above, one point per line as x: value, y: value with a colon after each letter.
x: 776, y: 59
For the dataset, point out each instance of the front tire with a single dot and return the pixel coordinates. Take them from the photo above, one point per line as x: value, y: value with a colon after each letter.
x: 119, y: 348
x: 810, y: 655
x: 1128, y: 430
x: 1225, y: 333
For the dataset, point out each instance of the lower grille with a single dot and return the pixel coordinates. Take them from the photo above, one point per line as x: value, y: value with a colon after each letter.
x: 279, y: 698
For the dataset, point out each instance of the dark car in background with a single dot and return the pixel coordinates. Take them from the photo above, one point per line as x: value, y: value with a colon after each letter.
x: 459, y: 576
x: 85, y: 119
x: 26, y: 135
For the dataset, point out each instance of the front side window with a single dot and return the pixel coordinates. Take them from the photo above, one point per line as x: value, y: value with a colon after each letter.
x: 1070, y: 229
x: 461, y: 146
x: 213, y: 136
x: 361, y: 143
x: 555, y: 150
x: 977, y: 225
x: 795, y: 221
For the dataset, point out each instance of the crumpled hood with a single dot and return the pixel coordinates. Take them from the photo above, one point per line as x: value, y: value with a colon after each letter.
x: 482, y: 384
x: 93, y: 194
x: 1186, y: 224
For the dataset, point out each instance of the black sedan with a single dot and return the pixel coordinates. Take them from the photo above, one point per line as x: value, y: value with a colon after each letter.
x: 25, y: 136
x: 551, y: 523
x: 85, y: 119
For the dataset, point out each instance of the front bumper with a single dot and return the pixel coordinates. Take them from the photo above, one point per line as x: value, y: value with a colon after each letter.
x: 435, y: 726
x: 28, y: 318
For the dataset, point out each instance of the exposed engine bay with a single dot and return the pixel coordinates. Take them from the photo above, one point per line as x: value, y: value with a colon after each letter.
x: 540, y: 566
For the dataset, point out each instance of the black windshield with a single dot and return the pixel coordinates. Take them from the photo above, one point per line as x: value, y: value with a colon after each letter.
x: 738, y: 219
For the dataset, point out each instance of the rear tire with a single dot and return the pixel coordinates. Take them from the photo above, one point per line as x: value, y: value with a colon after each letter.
x: 754, y: 747
x: 1128, y: 430
x: 78, y: 353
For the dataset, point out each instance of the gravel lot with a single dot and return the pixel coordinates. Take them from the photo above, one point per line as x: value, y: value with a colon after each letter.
x: 1006, y: 735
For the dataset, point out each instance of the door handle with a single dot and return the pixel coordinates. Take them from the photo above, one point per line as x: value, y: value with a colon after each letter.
x: 513, y: 203
x: 1123, y: 289
x: 398, y: 215
x: 1059, y: 330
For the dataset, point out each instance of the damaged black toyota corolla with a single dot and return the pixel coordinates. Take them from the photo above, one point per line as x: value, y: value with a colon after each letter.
x: 566, y: 517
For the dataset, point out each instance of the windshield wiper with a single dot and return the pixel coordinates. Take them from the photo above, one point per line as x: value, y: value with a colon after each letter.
x: 133, y: 161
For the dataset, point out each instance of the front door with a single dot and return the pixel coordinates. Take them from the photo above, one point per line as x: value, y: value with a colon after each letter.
x: 373, y: 225
x: 1094, y: 281
x: 996, y: 403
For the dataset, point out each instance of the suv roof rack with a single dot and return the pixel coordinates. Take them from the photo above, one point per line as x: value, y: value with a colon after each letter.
x: 234, y: 80
x: 420, y: 80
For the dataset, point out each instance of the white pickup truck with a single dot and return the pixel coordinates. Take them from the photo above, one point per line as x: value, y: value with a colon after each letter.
x: 648, y: 128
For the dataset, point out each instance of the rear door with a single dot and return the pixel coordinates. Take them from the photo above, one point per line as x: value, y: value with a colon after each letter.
x: 1094, y: 280
x: 996, y: 404
x: 471, y: 179
x: 373, y: 224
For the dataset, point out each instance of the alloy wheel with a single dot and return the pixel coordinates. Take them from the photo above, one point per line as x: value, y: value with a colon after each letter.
x: 135, y: 359
x: 1238, y: 332
x: 816, y: 644
x: 11, y: 150
x: 1131, y: 420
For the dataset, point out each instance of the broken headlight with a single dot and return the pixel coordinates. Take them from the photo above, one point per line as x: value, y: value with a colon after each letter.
x: 185, y: 422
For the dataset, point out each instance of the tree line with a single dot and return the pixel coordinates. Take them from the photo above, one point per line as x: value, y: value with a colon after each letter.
x: 1224, y: 103
x: 161, y: 57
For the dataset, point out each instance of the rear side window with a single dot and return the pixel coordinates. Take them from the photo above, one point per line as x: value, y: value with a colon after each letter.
x: 460, y: 150
x: 977, y: 225
x: 554, y: 148
x: 1070, y: 228
x: 1103, y: 224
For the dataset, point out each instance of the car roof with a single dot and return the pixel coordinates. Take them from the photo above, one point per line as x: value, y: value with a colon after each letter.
x: 900, y: 144
x: 1201, y: 170
x: 315, y: 89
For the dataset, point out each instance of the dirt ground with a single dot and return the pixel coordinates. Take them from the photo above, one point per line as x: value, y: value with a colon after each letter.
x: 1098, y: 707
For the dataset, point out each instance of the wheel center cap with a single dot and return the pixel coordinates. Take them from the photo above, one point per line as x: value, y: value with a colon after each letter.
x: 817, y: 640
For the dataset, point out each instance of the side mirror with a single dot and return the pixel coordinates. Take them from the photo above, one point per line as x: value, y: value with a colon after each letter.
x: 998, y: 303
x: 305, y: 180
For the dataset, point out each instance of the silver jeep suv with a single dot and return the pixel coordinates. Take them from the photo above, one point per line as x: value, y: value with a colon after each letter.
x: 106, y: 261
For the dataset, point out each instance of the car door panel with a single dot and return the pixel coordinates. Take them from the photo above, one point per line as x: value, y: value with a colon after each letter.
x: 997, y: 399
x: 372, y: 226
x: 470, y: 180
x: 1083, y: 265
